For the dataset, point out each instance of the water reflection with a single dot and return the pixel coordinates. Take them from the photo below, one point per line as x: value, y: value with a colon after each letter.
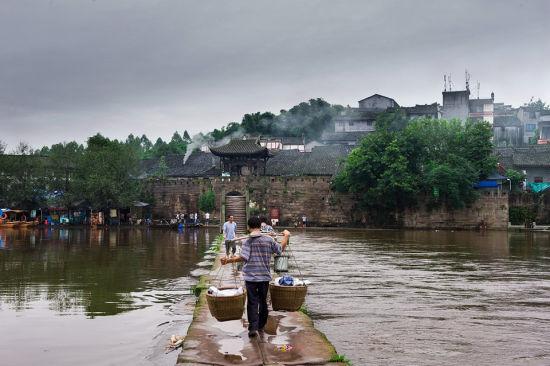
x: 93, y: 271
x: 96, y: 297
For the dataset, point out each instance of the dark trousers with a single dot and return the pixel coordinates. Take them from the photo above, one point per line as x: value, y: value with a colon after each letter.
x: 232, y: 245
x: 256, y: 307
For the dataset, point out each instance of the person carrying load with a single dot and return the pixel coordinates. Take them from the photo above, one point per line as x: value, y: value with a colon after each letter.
x: 256, y: 254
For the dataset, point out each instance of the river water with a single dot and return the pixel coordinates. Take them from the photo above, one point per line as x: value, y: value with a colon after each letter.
x: 96, y: 297
x: 114, y: 297
x: 430, y: 297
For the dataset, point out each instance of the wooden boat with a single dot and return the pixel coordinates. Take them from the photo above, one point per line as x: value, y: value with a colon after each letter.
x: 160, y: 224
x: 12, y: 218
x: 189, y: 224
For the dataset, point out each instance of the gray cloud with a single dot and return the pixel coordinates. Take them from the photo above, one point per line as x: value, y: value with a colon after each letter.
x: 69, y: 69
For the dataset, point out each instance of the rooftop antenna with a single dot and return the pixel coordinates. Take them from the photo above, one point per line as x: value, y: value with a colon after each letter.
x: 450, y: 83
x: 478, y: 85
x: 467, y: 77
x: 444, y: 82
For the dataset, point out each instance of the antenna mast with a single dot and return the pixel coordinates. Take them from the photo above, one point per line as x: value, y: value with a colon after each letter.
x: 444, y: 82
x: 450, y: 83
x: 467, y: 77
x: 478, y: 85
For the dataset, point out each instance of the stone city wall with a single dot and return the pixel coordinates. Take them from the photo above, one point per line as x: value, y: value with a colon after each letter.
x: 313, y: 197
x: 492, y: 207
x: 539, y: 204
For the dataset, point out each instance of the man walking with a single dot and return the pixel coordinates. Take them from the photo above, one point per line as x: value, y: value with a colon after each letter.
x: 229, y: 229
x: 256, y: 253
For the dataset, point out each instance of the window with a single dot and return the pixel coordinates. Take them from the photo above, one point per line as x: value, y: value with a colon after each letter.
x: 539, y: 179
x: 532, y: 115
x: 530, y: 127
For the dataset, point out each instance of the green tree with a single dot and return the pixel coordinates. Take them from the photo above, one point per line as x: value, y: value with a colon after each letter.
x: 162, y: 169
x: 106, y: 174
x: 516, y: 178
x: 206, y: 202
x: 2, y: 147
x: 22, y: 178
x: 392, y: 121
x: 392, y: 167
x: 307, y: 119
x: 62, y: 160
x: 146, y: 146
x: 538, y: 104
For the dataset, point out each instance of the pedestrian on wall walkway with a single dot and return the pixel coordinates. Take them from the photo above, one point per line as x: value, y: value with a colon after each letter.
x: 229, y: 229
x: 256, y: 254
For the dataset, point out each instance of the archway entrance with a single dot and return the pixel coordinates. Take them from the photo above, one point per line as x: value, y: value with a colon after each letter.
x: 235, y: 204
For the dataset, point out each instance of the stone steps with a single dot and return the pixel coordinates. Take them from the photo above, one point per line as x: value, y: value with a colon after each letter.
x: 236, y: 206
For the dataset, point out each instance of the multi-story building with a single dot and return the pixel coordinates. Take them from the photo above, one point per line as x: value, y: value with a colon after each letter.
x: 284, y: 143
x: 354, y: 123
x: 457, y: 104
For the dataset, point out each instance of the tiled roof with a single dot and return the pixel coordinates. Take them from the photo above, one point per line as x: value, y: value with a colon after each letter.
x: 343, y: 136
x: 199, y: 164
x: 421, y: 109
x: 379, y: 95
x: 504, y: 121
x: 292, y: 140
x: 357, y: 114
x: 322, y: 160
x: 237, y: 147
x: 517, y: 158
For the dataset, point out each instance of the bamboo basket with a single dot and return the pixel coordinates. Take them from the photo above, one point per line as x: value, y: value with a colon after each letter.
x: 225, y: 308
x: 288, y: 298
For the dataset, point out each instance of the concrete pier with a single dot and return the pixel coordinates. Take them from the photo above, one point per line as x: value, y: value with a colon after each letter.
x: 289, y: 337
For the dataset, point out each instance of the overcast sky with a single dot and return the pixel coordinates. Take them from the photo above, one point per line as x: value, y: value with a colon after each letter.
x: 70, y: 69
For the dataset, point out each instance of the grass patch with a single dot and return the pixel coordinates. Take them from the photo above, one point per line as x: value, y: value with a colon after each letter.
x: 197, y: 289
x: 303, y: 309
x: 340, y: 358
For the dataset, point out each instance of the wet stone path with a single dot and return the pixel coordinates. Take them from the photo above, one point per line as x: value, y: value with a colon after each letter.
x: 289, y: 337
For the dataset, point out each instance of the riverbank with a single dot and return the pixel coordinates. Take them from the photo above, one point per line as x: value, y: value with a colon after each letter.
x: 289, y: 338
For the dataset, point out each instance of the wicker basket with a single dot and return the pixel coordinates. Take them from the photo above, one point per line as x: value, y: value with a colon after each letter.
x: 226, y: 307
x: 288, y: 298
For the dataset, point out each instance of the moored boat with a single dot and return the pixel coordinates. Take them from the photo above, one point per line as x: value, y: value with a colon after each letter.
x: 12, y: 218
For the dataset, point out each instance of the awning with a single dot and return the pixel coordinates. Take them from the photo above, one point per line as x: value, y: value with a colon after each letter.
x: 538, y: 187
x: 486, y: 184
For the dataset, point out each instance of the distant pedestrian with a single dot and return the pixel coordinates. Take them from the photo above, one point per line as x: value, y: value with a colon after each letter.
x: 265, y: 228
x: 304, y: 219
x: 206, y: 218
x: 229, y: 229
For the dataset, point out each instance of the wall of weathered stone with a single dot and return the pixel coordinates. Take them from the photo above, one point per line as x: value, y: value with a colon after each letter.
x: 492, y: 207
x: 294, y: 196
x: 313, y: 197
x: 537, y: 203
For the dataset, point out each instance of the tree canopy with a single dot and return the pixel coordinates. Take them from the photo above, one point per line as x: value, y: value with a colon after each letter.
x: 392, y: 167
x: 144, y: 148
x: 309, y: 119
x: 107, y: 174
x: 538, y: 104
